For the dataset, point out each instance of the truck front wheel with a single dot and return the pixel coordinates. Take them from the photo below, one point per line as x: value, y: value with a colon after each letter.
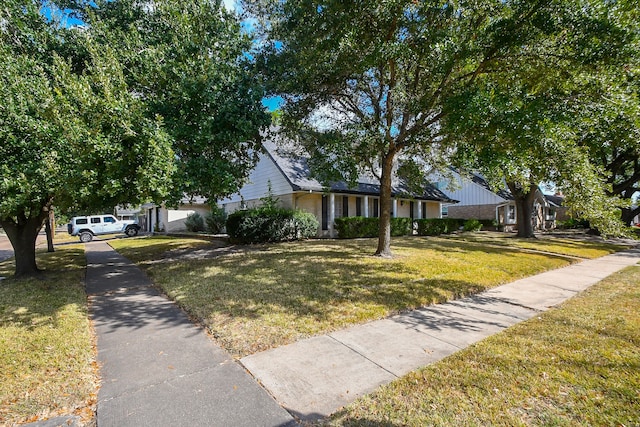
x: 131, y: 231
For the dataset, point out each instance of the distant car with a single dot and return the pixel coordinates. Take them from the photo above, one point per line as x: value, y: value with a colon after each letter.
x: 88, y: 226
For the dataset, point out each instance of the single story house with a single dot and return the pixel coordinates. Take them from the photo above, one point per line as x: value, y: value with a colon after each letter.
x: 289, y: 178
x: 163, y: 218
x: 557, y: 209
x: 478, y: 200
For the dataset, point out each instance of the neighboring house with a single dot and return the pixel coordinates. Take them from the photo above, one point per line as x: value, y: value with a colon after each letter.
x: 557, y: 210
x: 290, y: 180
x: 162, y: 218
x: 128, y: 213
x: 477, y: 200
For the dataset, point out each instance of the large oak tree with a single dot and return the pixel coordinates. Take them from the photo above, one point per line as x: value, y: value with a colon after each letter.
x: 146, y: 101
x: 69, y: 139
x: 367, y: 83
x: 189, y: 60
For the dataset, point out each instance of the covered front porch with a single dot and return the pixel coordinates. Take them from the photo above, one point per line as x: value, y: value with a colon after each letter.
x: 328, y: 207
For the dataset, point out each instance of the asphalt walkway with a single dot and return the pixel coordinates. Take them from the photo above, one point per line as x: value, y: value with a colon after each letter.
x: 157, y: 368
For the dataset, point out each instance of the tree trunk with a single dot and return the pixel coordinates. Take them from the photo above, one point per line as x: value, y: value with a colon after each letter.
x: 628, y: 214
x: 384, y: 233
x: 524, y: 198
x: 49, y: 232
x: 22, y: 235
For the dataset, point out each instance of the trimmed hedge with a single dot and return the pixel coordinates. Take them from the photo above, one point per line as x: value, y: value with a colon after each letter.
x: 437, y: 226
x: 472, y: 225
x: 401, y: 226
x: 260, y: 225
x: 358, y: 226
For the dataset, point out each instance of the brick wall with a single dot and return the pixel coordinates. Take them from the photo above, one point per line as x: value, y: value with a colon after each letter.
x: 472, y: 212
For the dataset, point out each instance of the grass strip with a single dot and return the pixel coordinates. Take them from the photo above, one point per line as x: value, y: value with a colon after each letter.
x: 46, y: 350
x: 558, y: 245
x: 271, y: 295
x: 572, y: 366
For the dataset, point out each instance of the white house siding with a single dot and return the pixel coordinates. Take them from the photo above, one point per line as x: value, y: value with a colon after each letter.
x: 174, y: 219
x: 466, y: 191
x: 265, y: 171
x: 470, y: 193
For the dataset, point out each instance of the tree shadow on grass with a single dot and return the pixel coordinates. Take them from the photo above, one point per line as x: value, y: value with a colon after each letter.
x: 34, y: 302
x: 294, y: 290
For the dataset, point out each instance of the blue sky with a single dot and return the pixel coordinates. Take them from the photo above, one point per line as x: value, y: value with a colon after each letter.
x: 67, y: 21
x: 272, y: 103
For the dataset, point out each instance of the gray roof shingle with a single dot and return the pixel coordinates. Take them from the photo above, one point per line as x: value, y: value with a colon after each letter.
x: 296, y: 170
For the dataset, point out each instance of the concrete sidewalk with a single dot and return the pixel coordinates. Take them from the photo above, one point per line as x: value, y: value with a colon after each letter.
x: 315, y: 377
x: 157, y: 368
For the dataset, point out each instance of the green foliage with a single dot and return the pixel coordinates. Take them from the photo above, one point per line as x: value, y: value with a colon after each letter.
x: 72, y: 130
x: 573, y: 223
x: 357, y: 226
x: 260, y: 225
x: 189, y: 59
x: 216, y: 220
x: 401, y: 227
x: 472, y: 225
x: 369, y: 83
x: 431, y: 227
x: 194, y: 222
x: 142, y: 104
x: 437, y: 226
x: 490, y: 224
x: 529, y: 124
x: 269, y: 201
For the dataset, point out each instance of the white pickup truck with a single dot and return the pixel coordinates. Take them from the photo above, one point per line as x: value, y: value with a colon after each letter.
x: 88, y: 226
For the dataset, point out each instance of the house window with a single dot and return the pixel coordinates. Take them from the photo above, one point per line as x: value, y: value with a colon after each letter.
x: 412, y: 206
x: 358, y: 206
x: 325, y: 213
x: 424, y: 210
x: 345, y: 205
x: 376, y: 208
x: 445, y: 211
x: 511, y: 213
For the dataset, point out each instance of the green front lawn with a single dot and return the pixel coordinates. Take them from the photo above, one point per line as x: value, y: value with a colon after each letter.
x: 46, y: 350
x: 267, y: 296
x: 573, y: 366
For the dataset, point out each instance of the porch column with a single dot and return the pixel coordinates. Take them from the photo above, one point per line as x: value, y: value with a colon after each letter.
x: 394, y: 214
x: 365, y: 211
x: 419, y: 213
x: 332, y: 213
